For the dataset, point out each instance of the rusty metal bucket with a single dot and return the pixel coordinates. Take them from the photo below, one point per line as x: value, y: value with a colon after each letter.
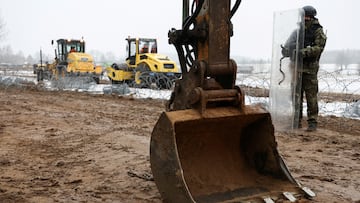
x: 224, y: 155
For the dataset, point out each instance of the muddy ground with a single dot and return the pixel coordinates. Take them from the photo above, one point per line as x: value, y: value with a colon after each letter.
x: 77, y: 147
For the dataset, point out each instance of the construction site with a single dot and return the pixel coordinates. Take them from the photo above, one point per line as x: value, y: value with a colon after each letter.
x: 68, y: 146
x: 198, y: 128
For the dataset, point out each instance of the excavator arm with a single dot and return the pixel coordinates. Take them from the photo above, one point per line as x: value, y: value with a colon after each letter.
x: 209, y: 146
x: 204, y: 55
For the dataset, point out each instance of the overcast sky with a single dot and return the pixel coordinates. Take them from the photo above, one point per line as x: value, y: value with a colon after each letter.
x: 31, y: 24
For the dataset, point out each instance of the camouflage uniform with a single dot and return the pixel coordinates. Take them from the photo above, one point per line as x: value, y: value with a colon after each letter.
x: 314, y: 43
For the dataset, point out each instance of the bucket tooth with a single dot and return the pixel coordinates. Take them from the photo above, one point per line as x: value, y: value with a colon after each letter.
x: 268, y: 200
x: 308, y: 192
x: 289, y: 196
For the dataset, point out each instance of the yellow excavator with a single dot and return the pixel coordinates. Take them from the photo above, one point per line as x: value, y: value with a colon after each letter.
x: 144, y: 66
x: 209, y: 146
x: 70, y: 60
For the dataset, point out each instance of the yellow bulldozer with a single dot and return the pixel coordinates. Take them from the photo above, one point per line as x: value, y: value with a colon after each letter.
x: 209, y: 146
x: 70, y: 61
x: 144, y: 66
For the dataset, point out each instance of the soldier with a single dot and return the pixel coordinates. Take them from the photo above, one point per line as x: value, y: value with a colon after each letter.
x: 314, y: 43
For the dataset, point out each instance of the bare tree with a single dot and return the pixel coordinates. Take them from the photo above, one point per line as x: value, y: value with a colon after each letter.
x: 343, y: 59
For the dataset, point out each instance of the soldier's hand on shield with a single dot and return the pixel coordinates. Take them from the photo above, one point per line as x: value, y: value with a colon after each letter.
x: 285, y: 51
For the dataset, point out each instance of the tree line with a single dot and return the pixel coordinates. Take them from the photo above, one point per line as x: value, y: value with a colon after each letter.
x: 342, y: 58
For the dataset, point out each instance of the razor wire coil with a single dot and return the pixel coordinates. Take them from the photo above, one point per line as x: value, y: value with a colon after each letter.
x: 339, y: 93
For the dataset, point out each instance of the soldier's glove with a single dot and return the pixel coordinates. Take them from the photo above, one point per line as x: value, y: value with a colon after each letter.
x: 304, y: 52
x: 285, y: 51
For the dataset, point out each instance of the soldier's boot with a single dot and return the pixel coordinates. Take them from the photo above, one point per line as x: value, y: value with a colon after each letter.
x: 311, y: 127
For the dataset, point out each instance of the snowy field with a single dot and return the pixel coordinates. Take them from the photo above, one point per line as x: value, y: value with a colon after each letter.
x: 347, y: 81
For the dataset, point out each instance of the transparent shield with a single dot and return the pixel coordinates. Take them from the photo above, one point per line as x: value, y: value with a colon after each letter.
x: 285, y: 84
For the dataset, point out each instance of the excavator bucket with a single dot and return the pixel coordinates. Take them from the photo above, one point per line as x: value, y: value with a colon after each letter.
x: 209, y: 146
x: 226, y: 155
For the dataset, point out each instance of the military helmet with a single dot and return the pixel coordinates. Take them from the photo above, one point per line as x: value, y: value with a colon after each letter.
x: 309, y: 11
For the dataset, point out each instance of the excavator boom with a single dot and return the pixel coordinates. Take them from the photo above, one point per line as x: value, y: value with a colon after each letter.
x: 209, y: 146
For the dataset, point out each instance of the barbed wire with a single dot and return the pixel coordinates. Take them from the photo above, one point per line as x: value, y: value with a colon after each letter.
x: 339, y: 94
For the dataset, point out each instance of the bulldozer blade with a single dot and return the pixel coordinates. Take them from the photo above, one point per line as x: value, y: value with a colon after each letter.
x: 223, y: 155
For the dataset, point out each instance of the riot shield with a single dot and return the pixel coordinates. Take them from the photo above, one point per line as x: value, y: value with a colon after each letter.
x: 286, y: 68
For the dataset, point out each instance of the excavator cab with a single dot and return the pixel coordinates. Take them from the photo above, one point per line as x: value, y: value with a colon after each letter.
x: 208, y: 146
x: 137, y: 46
x: 66, y: 46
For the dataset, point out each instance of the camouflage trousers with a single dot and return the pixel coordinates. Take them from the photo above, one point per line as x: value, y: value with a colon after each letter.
x: 309, y: 87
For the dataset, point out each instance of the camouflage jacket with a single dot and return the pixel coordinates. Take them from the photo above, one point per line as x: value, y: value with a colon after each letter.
x: 314, y: 44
